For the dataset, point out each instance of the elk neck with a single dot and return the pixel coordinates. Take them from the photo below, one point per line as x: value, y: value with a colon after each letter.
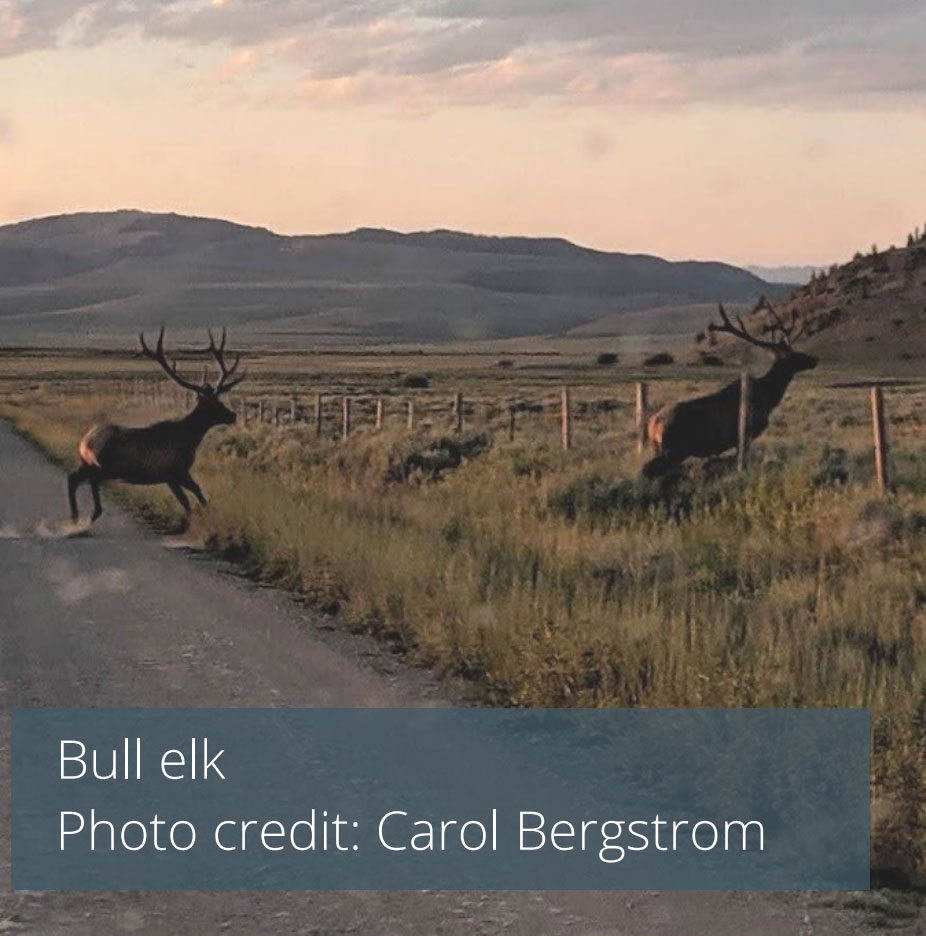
x: 773, y: 384
x: 196, y: 424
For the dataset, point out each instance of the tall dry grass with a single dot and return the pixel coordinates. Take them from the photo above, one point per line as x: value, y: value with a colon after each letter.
x: 560, y: 580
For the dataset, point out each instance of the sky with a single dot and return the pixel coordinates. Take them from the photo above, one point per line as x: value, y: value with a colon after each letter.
x: 791, y: 131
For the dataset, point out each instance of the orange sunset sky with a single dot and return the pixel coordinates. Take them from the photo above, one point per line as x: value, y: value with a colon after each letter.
x: 774, y: 133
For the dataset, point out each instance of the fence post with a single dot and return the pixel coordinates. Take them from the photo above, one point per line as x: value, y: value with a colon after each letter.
x: 880, y: 438
x: 410, y: 408
x: 260, y: 411
x: 511, y: 423
x: 379, y: 414
x: 743, y: 424
x: 567, y: 419
x: 345, y: 418
x: 319, y: 414
x: 292, y: 411
x: 458, y: 412
x: 243, y: 403
x: 642, y: 405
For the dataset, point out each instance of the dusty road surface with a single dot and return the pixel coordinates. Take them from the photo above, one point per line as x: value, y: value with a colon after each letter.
x: 115, y: 619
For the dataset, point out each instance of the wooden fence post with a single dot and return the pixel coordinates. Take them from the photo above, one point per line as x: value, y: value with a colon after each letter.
x: 260, y: 411
x: 511, y: 423
x: 458, y: 412
x: 566, y: 419
x: 319, y: 414
x: 642, y: 405
x: 379, y: 414
x: 345, y: 418
x: 743, y: 424
x: 410, y: 409
x: 292, y: 411
x: 880, y: 438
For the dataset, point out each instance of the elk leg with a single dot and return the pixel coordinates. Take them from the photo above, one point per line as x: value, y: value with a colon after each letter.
x: 75, y: 479
x: 194, y: 489
x: 97, y: 503
x: 177, y: 491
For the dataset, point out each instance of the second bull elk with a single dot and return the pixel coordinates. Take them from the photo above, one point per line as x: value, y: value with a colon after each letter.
x: 162, y: 453
x: 709, y: 425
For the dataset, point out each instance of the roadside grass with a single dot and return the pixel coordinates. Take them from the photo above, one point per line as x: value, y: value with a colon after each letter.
x: 561, y: 580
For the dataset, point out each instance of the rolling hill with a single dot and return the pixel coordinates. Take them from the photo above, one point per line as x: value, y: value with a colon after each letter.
x: 872, y: 309
x: 97, y: 277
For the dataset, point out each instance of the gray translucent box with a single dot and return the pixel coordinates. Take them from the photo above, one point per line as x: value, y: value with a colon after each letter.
x: 457, y: 799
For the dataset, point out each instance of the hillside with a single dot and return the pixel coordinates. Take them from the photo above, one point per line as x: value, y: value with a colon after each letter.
x: 870, y: 310
x: 88, y: 277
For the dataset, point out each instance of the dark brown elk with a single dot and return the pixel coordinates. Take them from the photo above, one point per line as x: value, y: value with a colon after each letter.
x: 162, y: 453
x: 709, y: 425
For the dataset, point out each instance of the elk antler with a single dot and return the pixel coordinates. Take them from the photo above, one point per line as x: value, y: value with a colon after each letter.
x: 170, y: 369
x: 781, y: 346
x: 228, y: 380
x: 787, y: 332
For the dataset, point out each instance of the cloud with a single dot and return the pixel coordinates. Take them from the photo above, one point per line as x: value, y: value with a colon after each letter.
x: 516, y: 51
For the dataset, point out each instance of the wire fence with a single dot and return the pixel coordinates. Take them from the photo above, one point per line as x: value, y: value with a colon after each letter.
x: 342, y: 415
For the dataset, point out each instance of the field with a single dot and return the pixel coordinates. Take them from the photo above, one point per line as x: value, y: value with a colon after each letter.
x: 543, y: 577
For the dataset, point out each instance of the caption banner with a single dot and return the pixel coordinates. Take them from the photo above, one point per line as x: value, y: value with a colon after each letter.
x: 457, y: 799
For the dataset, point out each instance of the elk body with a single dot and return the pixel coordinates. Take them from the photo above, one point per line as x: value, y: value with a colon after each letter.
x: 162, y: 453
x: 709, y: 425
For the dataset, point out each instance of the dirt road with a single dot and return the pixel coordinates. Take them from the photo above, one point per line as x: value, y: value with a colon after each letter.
x: 115, y: 619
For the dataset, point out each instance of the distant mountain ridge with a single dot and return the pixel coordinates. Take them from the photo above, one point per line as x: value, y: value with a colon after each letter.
x: 80, y: 275
x: 793, y: 275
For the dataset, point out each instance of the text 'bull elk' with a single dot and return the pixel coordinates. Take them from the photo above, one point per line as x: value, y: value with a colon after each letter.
x: 164, y: 452
x: 709, y: 425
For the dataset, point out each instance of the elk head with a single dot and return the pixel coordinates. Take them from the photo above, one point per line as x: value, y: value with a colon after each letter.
x: 209, y: 405
x: 780, y: 344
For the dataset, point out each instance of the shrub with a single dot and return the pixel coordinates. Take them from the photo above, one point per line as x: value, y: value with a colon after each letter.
x: 606, y: 359
x: 429, y: 460
x: 415, y: 382
x: 833, y: 470
x: 659, y: 360
x: 672, y: 497
x: 915, y: 259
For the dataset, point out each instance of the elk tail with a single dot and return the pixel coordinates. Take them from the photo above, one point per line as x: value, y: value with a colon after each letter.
x: 85, y: 448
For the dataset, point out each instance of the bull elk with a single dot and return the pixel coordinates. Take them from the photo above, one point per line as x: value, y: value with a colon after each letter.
x: 162, y: 453
x: 709, y: 425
